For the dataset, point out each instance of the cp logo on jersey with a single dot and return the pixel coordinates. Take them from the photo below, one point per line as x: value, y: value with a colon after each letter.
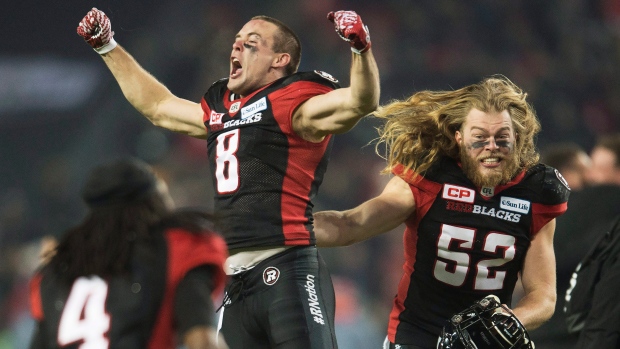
x: 456, y: 193
x: 215, y: 118
x: 270, y: 275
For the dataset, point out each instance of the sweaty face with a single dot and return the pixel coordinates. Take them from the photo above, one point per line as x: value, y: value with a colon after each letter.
x: 487, y: 142
x: 252, y: 58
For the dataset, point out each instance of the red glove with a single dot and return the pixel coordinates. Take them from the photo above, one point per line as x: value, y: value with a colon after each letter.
x: 96, y: 29
x: 350, y: 28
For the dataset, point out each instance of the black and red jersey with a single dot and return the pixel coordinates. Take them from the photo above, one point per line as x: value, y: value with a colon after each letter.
x: 135, y: 310
x: 463, y: 243
x: 264, y: 174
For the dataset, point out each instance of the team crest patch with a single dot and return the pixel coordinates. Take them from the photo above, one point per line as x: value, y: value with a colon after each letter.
x: 234, y: 108
x: 487, y: 191
x: 561, y: 178
x: 270, y: 275
x: 326, y: 76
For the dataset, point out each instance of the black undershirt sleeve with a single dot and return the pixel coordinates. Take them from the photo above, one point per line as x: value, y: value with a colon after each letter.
x: 193, y: 305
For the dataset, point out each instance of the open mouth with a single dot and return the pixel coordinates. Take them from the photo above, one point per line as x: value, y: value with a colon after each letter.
x: 235, y: 68
x: 491, y: 161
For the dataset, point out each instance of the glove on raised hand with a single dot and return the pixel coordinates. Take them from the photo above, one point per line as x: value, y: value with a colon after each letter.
x: 96, y: 29
x: 350, y: 28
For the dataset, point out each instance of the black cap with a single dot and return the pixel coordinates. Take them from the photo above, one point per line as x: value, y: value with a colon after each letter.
x: 122, y: 181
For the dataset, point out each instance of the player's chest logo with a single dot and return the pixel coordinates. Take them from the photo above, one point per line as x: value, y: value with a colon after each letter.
x: 487, y: 191
x: 234, y: 108
x: 457, y: 193
x: 514, y: 204
x: 254, y: 108
x: 215, y: 121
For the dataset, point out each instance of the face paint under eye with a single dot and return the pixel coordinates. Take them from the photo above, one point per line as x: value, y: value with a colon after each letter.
x: 478, y: 145
x: 250, y: 47
x: 504, y: 144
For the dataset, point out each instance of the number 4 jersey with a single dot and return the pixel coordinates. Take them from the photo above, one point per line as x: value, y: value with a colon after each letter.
x: 136, y: 310
x: 464, y: 243
x: 264, y: 174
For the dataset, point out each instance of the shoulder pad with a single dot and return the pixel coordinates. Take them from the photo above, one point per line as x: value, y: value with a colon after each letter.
x: 220, y: 82
x: 316, y: 76
x: 553, y: 187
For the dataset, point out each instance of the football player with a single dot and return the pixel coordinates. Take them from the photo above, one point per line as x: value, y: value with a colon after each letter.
x: 479, y: 210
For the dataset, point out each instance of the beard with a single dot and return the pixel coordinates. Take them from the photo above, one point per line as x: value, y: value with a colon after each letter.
x: 492, y: 178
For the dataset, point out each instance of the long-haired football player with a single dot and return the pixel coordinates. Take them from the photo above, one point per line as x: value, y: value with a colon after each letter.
x: 479, y: 210
x: 135, y: 273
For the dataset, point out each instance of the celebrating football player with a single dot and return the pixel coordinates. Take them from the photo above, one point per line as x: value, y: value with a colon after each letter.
x: 269, y: 132
x: 478, y: 207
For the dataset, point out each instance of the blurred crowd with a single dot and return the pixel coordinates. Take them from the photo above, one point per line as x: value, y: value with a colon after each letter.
x: 564, y: 53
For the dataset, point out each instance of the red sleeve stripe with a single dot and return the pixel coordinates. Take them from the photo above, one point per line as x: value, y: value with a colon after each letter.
x: 36, y: 304
x: 543, y: 214
x: 206, y: 115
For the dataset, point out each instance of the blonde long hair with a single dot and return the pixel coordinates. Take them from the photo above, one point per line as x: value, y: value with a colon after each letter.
x: 419, y: 130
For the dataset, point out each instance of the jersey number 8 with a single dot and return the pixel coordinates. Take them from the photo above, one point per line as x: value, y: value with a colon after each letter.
x: 226, y: 162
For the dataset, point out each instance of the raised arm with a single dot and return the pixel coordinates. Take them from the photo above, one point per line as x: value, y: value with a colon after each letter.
x: 340, y: 110
x: 149, y: 96
x: 538, y: 278
x: 375, y: 216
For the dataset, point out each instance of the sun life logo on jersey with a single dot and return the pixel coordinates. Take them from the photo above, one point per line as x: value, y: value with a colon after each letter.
x: 254, y: 108
x: 514, y: 204
x: 271, y: 275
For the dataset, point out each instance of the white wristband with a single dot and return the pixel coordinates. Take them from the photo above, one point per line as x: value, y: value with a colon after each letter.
x: 107, y: 47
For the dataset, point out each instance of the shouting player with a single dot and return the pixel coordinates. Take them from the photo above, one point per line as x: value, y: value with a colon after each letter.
x: 268, y: 130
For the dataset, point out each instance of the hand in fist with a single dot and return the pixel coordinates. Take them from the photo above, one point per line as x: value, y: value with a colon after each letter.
x: 350, y: 28
x: 96, y: 29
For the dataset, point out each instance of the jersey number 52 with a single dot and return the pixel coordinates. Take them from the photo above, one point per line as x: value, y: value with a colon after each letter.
x: 454, y: 272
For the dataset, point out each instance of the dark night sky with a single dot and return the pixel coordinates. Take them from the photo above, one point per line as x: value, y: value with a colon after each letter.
x: 37, y: 26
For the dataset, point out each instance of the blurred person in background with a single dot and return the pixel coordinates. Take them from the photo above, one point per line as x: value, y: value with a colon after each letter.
x: 605, y: 160
x: 356, y: 328
x: 571, y: 160
x: 591, y: 305
x: 21, y: 260
x: 479, y: 209
x: 588, y: 214
x: 268, y: 130
x: 135, y: 273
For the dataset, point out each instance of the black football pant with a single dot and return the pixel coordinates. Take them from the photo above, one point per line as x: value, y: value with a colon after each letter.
x: 285, y: 302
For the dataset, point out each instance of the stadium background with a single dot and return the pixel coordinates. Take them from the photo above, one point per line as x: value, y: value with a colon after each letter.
x: 61, y: 111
